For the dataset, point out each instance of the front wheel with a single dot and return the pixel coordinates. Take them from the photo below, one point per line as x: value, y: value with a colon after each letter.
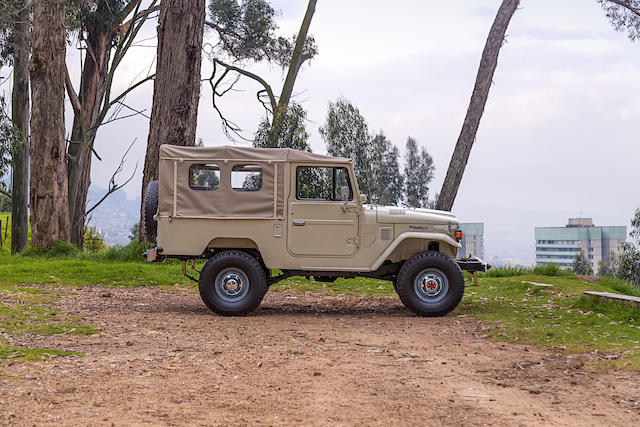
x: 232, y: 283
x: 430, y: 284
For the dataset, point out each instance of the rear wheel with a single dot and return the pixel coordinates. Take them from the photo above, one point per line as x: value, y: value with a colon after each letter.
x: 232, y: 283
x: 430, y: 284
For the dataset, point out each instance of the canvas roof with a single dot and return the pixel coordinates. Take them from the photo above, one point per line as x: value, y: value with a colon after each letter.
x: 174, y: 152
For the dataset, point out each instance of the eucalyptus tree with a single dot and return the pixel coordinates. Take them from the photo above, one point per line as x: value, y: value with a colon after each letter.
x: 418, y: 172
x: 346, y: 134
x: 105, y: 30
x: 293, y: 131
x: 15, y: 49
x: 624, y: 16
x: 484, y: 79
x: 581, y: 264
x: 388, y: 181
x: 246, y: 34
x: 48, y: 195
x: 176, y: 90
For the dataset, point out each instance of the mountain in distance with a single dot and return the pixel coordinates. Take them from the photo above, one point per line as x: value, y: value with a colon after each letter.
x: 115, y: 216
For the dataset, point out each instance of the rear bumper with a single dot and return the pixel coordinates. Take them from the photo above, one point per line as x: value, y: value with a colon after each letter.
x: 154, y: 255
x: 473, y: 264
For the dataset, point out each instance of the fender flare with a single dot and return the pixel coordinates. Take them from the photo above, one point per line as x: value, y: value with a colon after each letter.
x: 413, y: 235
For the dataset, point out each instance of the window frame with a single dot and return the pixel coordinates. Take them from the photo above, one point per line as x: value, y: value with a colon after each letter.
x: 203, y: 188
x: 245, y: 190
x: 334, y: 182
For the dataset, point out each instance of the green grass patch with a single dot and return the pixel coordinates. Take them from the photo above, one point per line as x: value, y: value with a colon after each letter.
x: 350, y: 287
x: 65, y: 271
x: 22, y: 354
x: 558, y: 317
x: 22, y: 310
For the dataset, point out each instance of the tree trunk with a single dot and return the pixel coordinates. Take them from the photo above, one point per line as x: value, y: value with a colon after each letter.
x: 20, y: 118
x: 83, y: 133
x: 297, y: 59
x: 49, y: 207
x: 176, y: 90
x: 488, y: 64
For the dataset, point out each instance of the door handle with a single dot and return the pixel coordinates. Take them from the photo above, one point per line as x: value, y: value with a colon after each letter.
x: 299, y: 222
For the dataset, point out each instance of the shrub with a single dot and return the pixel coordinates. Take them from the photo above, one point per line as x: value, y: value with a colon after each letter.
x: 551, y: 270
x: 93, y: 240
x: 509, y: 271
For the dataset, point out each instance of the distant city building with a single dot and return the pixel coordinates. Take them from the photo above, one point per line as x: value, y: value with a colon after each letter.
x: 472, y: 240
x: 559, y: 245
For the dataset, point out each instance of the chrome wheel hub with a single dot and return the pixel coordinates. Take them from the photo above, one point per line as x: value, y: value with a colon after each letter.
x: 431, y: 285
x: 231, y: 284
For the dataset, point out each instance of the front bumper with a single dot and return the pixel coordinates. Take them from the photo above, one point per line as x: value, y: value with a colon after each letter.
x: 473, y: 265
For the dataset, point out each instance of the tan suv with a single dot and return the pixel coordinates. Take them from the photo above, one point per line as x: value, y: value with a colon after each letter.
x: 250, y: 211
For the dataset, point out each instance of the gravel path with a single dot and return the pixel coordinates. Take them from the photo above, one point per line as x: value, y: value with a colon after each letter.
x: 162, y: 359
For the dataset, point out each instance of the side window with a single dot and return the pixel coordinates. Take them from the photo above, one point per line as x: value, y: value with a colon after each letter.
x: 246, y: 177
x: 204, y: 177
x: 323, y: 183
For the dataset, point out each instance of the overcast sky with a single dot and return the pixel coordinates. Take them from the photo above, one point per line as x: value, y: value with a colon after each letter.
x: 559, y: 137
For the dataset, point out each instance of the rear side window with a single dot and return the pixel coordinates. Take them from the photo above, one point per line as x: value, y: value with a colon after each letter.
x: 204, y: 177
x: 246, y: 177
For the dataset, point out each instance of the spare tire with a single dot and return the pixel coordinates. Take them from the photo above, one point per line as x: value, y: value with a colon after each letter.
x: 150, y: 209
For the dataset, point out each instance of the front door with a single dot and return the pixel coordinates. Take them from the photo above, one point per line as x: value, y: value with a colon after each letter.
x: 323, y: 215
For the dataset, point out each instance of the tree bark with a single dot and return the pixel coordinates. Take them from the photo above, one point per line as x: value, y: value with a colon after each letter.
x: 20, y: 118
x: 84, y: 129
x: 488, y: 64
x: 176, y: 91
x: 297, y: 59
x: 49, y: 198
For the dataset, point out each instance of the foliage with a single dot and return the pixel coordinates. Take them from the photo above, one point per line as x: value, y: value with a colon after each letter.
x: 5, y: 202
x: 293, y: 131
x: 551, y: 270
x: 629, y: 260
x: 346, y: 134
x: 9, y: 12
x: 93, y: 239
x: 388, y: 182
x: 610, y: 266
x: 134, y: 232
x: 581, y: 264
x: 418, y: 171
x: 105, y: 14
x: 246, y: 29
x: 624, y: 18
x: 10, y: 138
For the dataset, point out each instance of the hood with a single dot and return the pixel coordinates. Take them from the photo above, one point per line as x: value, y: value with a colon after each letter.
x: 396, y: 215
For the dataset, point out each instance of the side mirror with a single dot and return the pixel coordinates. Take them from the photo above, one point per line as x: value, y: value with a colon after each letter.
x: 363, y: 198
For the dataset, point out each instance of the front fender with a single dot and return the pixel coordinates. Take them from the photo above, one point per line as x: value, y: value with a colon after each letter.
x: 413, y: 235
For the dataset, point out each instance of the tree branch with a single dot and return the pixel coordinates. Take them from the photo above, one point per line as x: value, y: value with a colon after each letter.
x: 73, y: 96
x: 251, y: 75
x: 5, y: 193
x: 113, y: 185
x: 626, y: 5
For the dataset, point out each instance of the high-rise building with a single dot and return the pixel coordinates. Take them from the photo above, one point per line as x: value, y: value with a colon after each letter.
x: 472, y: 240
x: 559, y: 245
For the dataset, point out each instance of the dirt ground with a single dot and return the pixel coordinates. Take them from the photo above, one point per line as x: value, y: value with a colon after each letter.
x: 162, y: 359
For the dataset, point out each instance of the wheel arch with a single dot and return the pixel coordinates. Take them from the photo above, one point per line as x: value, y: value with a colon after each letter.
x: 408, y: 244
